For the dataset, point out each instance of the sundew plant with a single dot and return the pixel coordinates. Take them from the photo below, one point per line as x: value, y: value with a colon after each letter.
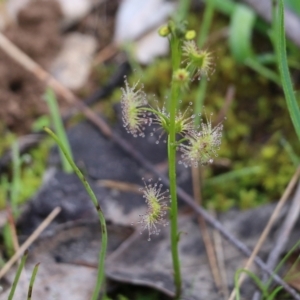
x: 198, y: 145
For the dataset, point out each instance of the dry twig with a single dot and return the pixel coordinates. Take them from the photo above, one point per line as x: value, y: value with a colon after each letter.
x: 30, y: 240
x: 210, y: 251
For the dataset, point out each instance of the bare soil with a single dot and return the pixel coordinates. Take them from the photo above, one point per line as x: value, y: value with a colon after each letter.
x: 38, y: 35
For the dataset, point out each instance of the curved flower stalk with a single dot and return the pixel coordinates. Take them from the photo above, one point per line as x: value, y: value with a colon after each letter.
x: 157, y: 208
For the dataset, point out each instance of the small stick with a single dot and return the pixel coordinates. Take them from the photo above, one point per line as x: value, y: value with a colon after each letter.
x: 120, y: 186
x: 268, y: 227
x: 210, y: 251
x: 106, y: 53
x: 220, y: 258
x: 230, y: 93
x: 12, y: 227
x: 24, y: 60
x: 30, y: 240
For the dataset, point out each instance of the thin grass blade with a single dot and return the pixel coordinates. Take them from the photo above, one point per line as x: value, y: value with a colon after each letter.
x: 284, y: 70
x: 17, y: 277
x: 32, y: 279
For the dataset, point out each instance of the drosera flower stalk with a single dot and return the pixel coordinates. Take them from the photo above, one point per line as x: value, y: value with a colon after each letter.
x: 102, y: 255
x: 157, y: 202
x: 198, y: 143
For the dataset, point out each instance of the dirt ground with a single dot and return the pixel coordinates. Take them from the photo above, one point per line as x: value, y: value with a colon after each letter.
x: 39, y: 34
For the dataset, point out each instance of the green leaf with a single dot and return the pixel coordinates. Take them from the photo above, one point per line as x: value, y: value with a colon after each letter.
x: 284, y: 70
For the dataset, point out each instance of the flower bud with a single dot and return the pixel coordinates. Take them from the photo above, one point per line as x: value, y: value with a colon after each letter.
x: 164, y: 31
x: 190, y: 35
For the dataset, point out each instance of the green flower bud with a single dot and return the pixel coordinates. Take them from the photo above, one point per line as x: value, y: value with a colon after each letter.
x: 164, y: 31
x: 190, y: 35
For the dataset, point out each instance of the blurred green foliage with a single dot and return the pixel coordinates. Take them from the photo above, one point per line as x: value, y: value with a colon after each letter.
x: 32, y: 170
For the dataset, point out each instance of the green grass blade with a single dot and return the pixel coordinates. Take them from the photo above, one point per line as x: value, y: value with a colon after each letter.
x: 284, y: 70
x: 32, y: 279
x: 290, y: 151
x: 241, y: 26
x: 255, y: 279
x: 59, y: 128
x: 17, y: 277
x: 224, y: 6
x: 206, y: 22
x: 16, y: 180
x: 255, y: 65
x: 182, y: 10
x: 103, y: 248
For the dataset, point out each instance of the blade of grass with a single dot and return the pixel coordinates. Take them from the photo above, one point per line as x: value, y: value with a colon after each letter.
x: 59, y: 128
x: 290, y: 151
x: 16, y: 180
x: 103, y: 248
x: 182, y: 10
x: 224, y: 6
x: 284, y: 70
x: 32, y: 279
x: 255, y: 65
x: 17, y: 277
x: 206, y: 22
x: 253, y: 277
x: 241, y: 26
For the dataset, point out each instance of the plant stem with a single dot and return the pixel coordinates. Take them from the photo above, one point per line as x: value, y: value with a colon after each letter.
x: 173, y: 191
x: 102, y: 254
x: 32, y: 279
x: 59, y: 128
x: 17, y: 277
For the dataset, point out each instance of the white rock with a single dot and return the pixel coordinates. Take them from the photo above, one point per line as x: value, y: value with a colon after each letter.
x: 135, y: 17
x: 75, y: 9
x: 73, y: 64
x: 139, y: 21
x: 150, y: 46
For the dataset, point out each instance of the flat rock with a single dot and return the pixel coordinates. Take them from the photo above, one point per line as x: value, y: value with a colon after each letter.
x: 73, y: 64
